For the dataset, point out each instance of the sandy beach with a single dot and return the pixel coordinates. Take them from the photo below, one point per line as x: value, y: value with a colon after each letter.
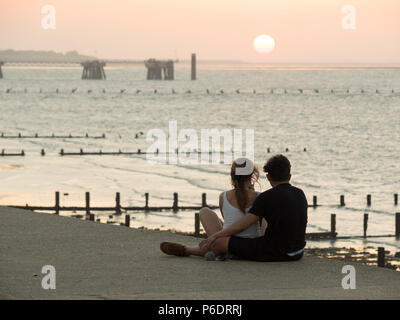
x: 100, y: 261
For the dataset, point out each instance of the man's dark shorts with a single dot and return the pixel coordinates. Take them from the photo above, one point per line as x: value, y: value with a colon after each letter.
x: 256, y: 249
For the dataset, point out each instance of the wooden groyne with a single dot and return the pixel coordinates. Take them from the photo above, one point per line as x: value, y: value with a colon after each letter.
x: 314, y: 205
x: 342, y: 201
x: 118, y: 208
x: 154, y: 73
x: 52, y: 136
x: 81, y: 152
x: 138, y: 152
x: 329, y: 235
x: 12, y: 154
x: 101, y: 153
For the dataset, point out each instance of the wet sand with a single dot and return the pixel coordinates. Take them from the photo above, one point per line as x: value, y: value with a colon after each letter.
x: 100, y: 261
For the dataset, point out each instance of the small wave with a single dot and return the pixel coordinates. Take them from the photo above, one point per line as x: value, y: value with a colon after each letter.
x: 11, y: 166
x: 188, y: 180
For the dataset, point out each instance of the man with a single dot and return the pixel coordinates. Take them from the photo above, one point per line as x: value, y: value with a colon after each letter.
x: 284, y: 207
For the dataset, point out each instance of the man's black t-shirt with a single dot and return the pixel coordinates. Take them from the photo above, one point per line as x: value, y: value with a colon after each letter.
x: 284, y: 207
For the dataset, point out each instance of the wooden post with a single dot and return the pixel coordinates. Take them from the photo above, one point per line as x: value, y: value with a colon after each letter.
x: 342, y: 204
x: 196, y: 224
x: 57, y: 206
x: 127, y: 220
x: 117, y: 203
x: 381, y: 257
x: 396, y: 199
x: 87, y: 198
x: 43, y: 153
x: 146, y: 206
x: 193, y: 66
x: 368, y: 200
x: 204, y: 200
x: 365, y: 224
x: 397, y: 232
x: 314, y: 201
x: 333, y: 225
x: 175, y: 205
x: 91, y: 217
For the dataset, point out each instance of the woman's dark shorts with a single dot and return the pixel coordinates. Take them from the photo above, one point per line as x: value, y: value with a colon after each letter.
x: 256, y: 249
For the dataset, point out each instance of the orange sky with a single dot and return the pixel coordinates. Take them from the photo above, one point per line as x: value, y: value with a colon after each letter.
x: 308, y: 31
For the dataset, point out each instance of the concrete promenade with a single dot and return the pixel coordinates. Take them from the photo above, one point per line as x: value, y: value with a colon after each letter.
x: 100, y: 261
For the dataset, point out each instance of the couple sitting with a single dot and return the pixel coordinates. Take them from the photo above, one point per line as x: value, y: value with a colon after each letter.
x: 269, y: 226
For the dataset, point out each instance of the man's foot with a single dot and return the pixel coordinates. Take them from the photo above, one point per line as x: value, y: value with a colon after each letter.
x: 173, y: 249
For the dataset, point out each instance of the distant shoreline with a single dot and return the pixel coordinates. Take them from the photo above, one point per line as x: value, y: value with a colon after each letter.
x: 204, y: 65
x: 52, y: 58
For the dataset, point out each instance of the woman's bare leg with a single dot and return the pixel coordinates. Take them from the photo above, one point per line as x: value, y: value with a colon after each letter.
x: 211, y: 224
x: 210, y: 221
x: 196, y: 251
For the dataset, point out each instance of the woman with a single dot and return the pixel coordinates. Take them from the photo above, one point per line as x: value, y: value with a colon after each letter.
x: 233, y: 204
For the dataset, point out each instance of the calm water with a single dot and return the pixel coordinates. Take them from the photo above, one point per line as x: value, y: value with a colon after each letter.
x: 352, y: 139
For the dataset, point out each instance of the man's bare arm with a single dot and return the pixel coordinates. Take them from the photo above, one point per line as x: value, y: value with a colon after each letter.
x: 248, y: 220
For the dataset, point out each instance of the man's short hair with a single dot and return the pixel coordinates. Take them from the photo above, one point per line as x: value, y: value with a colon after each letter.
x: 278, y: 168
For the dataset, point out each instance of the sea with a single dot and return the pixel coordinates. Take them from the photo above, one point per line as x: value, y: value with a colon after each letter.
x: 339, y: 127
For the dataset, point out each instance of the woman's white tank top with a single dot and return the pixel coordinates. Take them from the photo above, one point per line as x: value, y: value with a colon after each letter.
x: 232, y: 215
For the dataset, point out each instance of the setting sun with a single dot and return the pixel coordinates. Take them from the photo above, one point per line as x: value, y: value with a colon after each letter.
x: 264, y: 44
